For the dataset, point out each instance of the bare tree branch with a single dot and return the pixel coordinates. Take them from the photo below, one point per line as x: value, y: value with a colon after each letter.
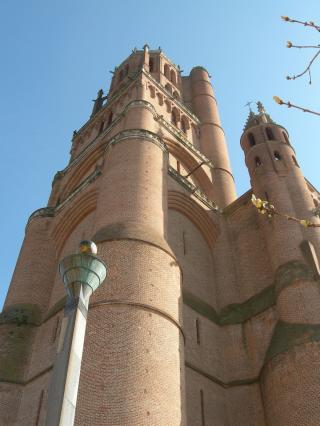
x: 307, y: 70
x: 290, y: 105
x: 306, y: 24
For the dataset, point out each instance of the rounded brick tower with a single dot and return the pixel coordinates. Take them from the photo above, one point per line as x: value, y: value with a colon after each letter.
x: 289, y: 382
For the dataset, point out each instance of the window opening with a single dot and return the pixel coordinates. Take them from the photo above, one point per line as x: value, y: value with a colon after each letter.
x: 252, y: 140
x: 286, y: 138
x: 269, y: 133
x: 151, y: 65
x: 276, y: 156
x: 258, y: 162
x: 198, y: 330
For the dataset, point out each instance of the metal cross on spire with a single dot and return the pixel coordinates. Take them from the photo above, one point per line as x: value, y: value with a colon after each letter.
x: 248, y: 104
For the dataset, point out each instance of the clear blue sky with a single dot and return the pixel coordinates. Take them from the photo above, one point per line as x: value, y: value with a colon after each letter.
x: 55, y: 55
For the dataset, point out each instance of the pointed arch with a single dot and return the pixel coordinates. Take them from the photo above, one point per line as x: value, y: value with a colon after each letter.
x: 198, y: 216
x: 72, y: 216
x: 80, y: 171
x: 199, y: 176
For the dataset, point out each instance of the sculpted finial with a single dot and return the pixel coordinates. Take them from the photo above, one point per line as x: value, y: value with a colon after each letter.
x: 261, y: 108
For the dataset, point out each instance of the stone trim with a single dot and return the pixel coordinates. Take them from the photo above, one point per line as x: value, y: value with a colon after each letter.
x: 290, y: 272
x: 213, y: 124
x: 205, y: 94
x: 118, y: 302
x: 21, y: 314
x: 224, y: 170
x: 236, y: 313
x: 137, y: 134
x: 133, y: 231
x: 226, y: 385
x: 51, y: 211
x: 193, y: 189
x: 286, y: 336
x: 26, y: 382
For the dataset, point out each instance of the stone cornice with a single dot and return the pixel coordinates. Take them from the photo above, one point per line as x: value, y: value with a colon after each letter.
x: 51, y: 211
x: 193, y: 189
x: 174, y: 131
x: 137, y: 134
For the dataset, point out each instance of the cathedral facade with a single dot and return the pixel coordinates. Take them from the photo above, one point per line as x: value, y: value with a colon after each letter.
x: 210, y: 314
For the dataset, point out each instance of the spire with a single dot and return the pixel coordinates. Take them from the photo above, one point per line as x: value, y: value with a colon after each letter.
x: 257, y: 118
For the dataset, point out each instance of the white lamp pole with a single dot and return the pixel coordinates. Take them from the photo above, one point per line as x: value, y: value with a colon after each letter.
x: 82, y: 274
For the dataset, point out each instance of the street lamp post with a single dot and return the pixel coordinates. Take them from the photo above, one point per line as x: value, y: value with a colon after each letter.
x: 82, y: 274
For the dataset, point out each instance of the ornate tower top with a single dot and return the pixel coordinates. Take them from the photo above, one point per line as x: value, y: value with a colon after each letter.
x: 255, y: 119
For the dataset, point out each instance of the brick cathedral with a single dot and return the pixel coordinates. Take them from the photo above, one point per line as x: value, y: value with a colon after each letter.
x: 210, y: 314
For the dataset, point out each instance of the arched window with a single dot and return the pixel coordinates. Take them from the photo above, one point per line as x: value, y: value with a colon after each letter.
x: 258, y: 162
x: 168, y: 88
x: 315, y: 202
x: 276, y: 156
x: 176, y: 94
x: 110, y: 118
x: 151, y: 65
x: 286, y: 138
x: 101, y: 127
x: 168, y: 105
x: 252, y: 140
x: 126, y: 69
x: 269, y: 133
x: 120, y: 75
x: 173, y: 77
x: 184, y: 124
x: 152, y: 91
x: 160, y: 98
x: 174, y: 118
x: 295, y: 161
x: 167, y: 71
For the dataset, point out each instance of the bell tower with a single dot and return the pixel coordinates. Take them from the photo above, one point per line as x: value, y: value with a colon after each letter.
x: 153, y: 131
x: 293, y: 353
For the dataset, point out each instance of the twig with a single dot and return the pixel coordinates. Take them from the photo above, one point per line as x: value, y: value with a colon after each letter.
x: 265, y: 207
x: 306, y: 24
x: 290, y: 105
x: 306, y: 70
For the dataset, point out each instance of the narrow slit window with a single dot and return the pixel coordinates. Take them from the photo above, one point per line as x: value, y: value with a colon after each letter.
x: 286, y: 138
x: 203, y: 420
x: 269, y: 133
x: 184, y: 243
x: 252, y: 140
x: 198, y: 330
x: 40, y: 403
x: 151, y: 65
